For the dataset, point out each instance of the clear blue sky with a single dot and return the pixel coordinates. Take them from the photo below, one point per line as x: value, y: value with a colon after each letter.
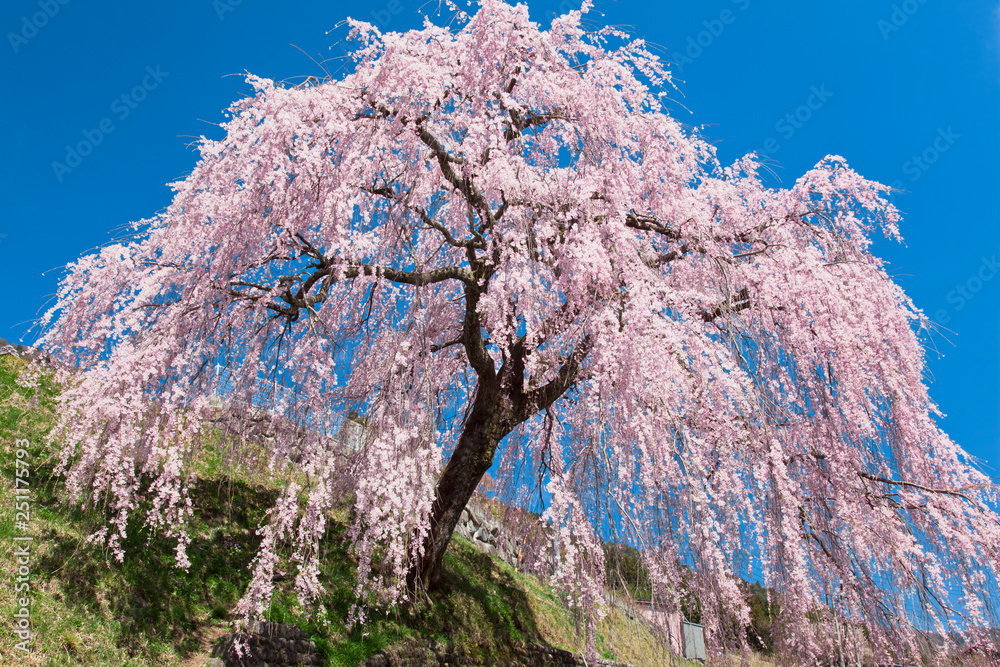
x: 907, y: 91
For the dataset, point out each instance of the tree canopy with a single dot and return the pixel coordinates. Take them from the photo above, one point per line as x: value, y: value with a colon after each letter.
x: 494, y: 242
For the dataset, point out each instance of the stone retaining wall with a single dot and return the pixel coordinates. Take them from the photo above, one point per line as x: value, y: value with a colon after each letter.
x: 520, y: 541
x: 444, y: 655
x: 269, y: 645
x: 487, y: 534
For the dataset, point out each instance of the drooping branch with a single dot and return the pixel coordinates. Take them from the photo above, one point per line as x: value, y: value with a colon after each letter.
x: 463, y: 185
x: 741, y: 301
x: 333, y: 271
x: 919, y: 487
x: 477, y: 242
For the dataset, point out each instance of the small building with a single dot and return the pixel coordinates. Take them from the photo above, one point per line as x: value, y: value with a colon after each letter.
x: 352, y: 435
x: 694, y: 641
x: 685, y: 638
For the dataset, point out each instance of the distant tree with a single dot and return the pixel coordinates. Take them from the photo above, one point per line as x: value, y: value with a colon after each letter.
x: 496, y: 244
x: 762, y: 613
x: 625, y: 571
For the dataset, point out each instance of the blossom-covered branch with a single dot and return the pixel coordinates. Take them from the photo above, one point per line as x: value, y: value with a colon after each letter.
x: 494, y: 242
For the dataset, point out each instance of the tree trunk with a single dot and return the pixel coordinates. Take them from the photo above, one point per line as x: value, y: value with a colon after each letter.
x: 499, y: 406
x: 473, y: 456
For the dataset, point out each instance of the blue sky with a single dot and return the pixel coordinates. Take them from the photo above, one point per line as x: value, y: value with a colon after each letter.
x: 907, y: 91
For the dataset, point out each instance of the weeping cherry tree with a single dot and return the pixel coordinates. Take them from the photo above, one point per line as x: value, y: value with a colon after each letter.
x: 495, y: 243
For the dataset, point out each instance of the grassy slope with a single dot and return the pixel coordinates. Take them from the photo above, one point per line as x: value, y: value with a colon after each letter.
x: 89, y: 610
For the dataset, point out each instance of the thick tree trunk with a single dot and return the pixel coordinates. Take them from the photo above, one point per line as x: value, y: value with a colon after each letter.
x: 473, y: 456
x: 499, y: 406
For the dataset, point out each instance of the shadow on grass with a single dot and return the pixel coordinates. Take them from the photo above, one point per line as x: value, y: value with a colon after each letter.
x: 480, y: 609
x: 147, y: 596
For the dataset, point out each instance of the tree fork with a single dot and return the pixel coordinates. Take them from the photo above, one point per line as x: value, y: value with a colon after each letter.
x: 500, y: 405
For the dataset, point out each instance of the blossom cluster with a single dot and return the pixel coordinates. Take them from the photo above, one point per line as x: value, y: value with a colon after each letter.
x: 499, y: 228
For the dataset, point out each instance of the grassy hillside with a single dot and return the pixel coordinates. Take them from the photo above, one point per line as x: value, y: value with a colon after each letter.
x: 89, y: 610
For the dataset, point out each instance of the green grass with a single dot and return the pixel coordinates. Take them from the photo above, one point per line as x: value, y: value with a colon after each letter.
x: 88, y: 609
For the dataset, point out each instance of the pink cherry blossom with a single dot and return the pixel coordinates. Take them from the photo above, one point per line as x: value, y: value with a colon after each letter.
x: 494, y: 242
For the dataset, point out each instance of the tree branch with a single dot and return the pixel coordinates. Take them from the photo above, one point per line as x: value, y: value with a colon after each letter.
x: 648, y: 223
x: 519, y: 123
x: 667, y: 257
x: 464, y: 185
x: 741, y: 302
x: 442, y: 346
x: 327, y: 272
x: 920, y: 487
x: 472, y: 337
x: 541, y: 398
x: 391, y: 194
